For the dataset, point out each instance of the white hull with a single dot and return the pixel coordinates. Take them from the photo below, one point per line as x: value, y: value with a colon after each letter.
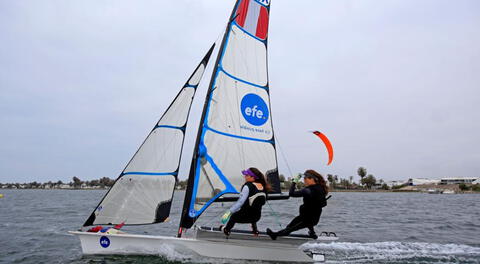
x: 205, y: 243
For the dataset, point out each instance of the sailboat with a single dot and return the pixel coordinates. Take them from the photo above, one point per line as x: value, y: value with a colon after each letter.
x: 235, y: 132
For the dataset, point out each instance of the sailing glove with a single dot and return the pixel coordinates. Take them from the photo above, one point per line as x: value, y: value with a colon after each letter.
x: 297, y: 178
x: 226, y: 217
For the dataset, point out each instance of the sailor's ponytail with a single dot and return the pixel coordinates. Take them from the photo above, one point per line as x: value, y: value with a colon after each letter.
x: 261, y: 179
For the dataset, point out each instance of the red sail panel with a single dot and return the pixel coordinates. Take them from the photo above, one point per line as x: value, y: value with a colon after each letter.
x: 242, y: 13
x: 262, y: 26
x: 253, y: 18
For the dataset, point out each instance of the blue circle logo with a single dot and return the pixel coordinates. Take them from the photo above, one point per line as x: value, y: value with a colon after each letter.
x: 254, y: 109
x: 192, y: 213
x: 104, y: 242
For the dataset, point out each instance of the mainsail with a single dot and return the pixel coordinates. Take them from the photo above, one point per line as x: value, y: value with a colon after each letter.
x: 143, y: 192
x: 236, y: 127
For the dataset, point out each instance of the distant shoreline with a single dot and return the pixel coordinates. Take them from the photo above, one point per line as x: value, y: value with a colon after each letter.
x: 286, y: 191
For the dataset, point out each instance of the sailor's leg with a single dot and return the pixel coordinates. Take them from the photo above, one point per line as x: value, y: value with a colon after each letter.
x: 296, y: 224
x: 231, y: 222
x: 255, y: 229
x: 238, y: 217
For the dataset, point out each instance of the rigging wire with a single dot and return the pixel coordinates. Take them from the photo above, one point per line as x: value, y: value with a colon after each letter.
x: 273, y: 212
x: 283, y: 156
x: 213, y: 218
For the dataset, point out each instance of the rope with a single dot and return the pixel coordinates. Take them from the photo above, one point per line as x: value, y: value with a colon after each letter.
x: 215, y: 217
x: 275, y: 215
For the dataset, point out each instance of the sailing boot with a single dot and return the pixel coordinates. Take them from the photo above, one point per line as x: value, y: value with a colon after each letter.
x: 271, y: 234
x: 312, y: 234
x: 225, y: 231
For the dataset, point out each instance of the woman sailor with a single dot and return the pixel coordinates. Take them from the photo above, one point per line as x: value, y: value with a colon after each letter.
x: 248, y: 208
x: 313, y: 201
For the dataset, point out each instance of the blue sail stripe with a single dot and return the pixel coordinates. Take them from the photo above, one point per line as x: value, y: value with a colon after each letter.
x: 220, y: 67
x: 172, y: 127
x: 236, y: 136
x: 149, y: 173
x: 246, y: 32
x: 190, y: 86
x: 229, y: 187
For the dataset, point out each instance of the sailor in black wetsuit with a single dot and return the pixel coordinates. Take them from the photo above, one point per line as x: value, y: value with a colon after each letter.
x: 248, y: 208
x: 313, y: 201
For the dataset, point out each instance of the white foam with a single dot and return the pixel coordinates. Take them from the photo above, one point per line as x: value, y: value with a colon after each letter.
x: 169, y: 252
x: 396, y: 247
x: 392, y: 250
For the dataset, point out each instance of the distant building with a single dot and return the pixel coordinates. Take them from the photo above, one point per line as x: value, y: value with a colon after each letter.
x: 477, y: 181
x: 458, y: 180
x: 395, y: 183
x: 421, y: 181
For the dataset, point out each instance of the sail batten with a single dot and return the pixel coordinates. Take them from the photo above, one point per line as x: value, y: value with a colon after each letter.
x: 143, y: 192
x: 243, y: 81
x: 172, y: 127
x: 149, y: 173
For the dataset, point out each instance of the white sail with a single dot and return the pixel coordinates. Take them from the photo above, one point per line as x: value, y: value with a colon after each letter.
x: 143, y: 192
x: 236, y: 129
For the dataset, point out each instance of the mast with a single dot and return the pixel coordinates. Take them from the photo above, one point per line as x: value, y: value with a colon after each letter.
x: 235, y: 130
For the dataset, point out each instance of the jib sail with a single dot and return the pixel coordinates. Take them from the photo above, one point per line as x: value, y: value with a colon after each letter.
x: 143, y: 192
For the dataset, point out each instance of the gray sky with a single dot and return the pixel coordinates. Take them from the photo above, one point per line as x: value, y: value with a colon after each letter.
x: 393, y: 84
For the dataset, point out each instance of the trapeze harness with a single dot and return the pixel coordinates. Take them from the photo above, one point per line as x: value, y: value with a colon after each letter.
x: 251, y: 210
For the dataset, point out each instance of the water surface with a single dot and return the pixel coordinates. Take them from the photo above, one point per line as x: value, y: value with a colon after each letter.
x: 373, y: 227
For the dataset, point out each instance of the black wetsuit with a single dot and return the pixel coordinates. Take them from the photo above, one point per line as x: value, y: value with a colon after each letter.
x: 250, y: 212
x: 310, y: 211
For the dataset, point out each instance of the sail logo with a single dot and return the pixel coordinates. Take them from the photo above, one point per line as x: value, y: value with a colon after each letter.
x: 104, y: 242
x: 263, y: 2
x: 254, y: 109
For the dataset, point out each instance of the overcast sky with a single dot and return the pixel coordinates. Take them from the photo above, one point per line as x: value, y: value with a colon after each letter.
x: 395, y: 85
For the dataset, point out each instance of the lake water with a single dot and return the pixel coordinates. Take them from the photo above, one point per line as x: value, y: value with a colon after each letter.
x: 373, y: 227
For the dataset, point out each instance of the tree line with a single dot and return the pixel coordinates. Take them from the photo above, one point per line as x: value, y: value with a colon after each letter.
x: 75, y: 183
x: 367, y: 181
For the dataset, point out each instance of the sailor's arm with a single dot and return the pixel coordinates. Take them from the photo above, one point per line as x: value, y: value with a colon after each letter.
x: 293, y: 193
x: 241, y: 200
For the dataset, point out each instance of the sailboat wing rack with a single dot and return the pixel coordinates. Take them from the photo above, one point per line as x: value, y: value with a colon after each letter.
x: 206, y: 231
x: 270, y: 197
